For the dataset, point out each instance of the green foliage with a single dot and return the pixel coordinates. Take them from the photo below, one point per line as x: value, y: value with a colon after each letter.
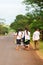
x: 3, y: 29
x: 29, y: 21
x: 39, y: 2
x: 37, y: 14
x: 33, y: 19
x: 36, y: 24
x: 21, y: 21
x: 37, y: 6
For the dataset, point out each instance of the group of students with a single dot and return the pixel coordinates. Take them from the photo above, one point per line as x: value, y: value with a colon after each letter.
x: 24, y: 37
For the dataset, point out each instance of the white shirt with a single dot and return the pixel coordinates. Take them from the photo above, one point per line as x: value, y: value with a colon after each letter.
x: 19, y: 35
x: 36, y: 35
x: 27, y: 36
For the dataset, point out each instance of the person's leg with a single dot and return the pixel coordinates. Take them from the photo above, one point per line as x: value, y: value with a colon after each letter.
x: 17, y: 47
x: 27, y: 45
x: 37, y: 44
x: 18, y: 44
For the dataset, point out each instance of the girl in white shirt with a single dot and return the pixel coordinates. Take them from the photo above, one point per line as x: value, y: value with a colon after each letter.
x: 36, y: 37
x: 18, y: 39
x: 27, y: 38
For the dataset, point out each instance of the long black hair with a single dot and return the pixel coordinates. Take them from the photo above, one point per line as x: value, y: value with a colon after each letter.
x: 26, y: 30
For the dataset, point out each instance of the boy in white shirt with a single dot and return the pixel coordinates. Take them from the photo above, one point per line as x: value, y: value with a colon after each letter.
x: 36, y: 37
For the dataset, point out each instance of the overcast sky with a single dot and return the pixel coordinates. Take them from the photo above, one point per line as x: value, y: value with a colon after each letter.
x: 9, y: 9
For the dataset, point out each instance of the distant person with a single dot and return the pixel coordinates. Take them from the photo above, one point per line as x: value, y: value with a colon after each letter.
x: 18, y: 39
x: 27, y: 38
x: 36, y: 37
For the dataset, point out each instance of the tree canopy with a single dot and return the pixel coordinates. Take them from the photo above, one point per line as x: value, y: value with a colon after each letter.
x: 32, y: 19
x: 38, y: 2
x: 3, y: 29
x: 21, y: 21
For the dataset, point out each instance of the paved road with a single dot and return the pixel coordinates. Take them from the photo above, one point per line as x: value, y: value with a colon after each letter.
x: 10, y: 56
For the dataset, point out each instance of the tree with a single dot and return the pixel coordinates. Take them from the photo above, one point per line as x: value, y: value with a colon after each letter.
x: 35, y: 8
x: 38, y: 2
x: 21, y: 21
x: 3, y: 29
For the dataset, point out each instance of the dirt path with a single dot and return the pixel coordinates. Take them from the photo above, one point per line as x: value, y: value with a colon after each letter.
x: 9, y: 55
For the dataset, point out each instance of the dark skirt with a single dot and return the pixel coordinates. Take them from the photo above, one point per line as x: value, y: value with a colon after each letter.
x: 18, y: 41
x: 27, y: 42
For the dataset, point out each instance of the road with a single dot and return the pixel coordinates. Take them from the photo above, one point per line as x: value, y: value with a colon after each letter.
x: 10, y: 56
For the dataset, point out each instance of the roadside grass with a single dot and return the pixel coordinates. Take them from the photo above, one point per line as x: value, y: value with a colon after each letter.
x: 41, y: 46
x: 40, y: 51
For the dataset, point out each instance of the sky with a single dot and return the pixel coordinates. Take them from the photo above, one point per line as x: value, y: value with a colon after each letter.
x: 9, y: 9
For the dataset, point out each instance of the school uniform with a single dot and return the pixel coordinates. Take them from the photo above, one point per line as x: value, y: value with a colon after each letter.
x: 27, y: 38
x: 36, y: 36
x: 19, y: 38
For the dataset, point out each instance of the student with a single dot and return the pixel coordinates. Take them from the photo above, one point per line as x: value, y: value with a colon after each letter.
x: 27, y: 38
x: 36, y: 37
x: 18, y: 39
